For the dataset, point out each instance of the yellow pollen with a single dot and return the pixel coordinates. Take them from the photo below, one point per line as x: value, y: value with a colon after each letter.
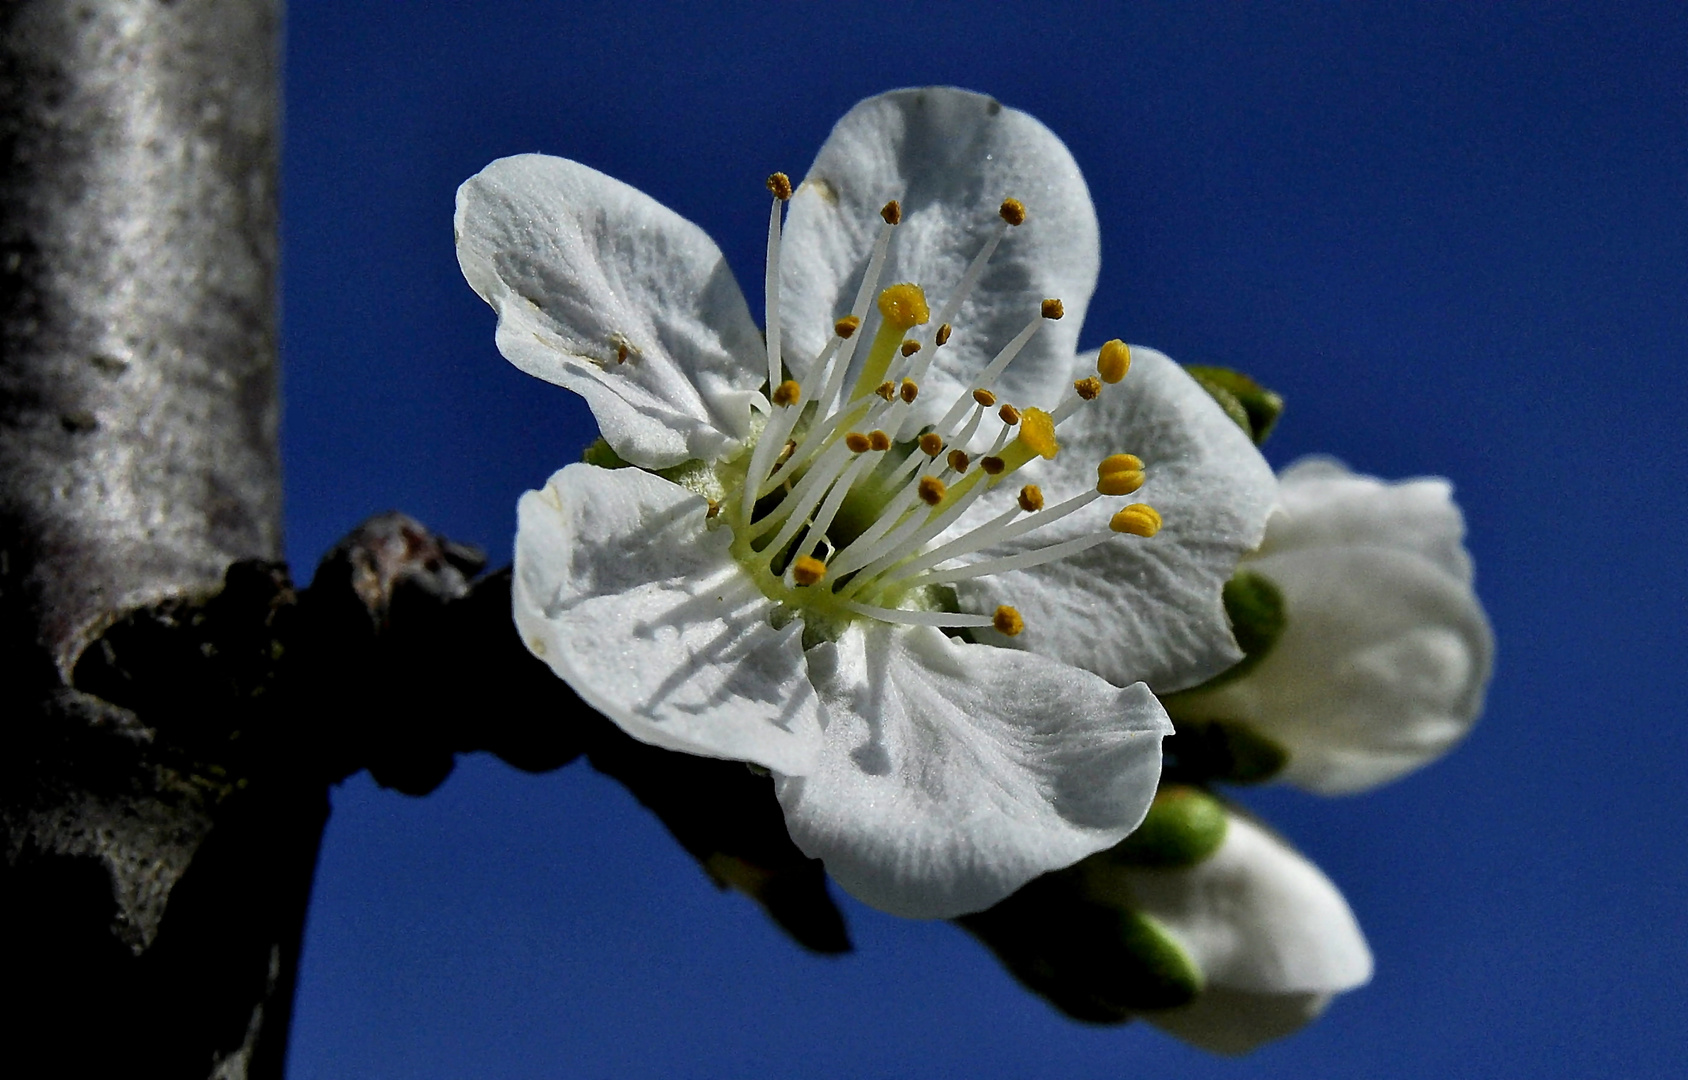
x: 984, y: 397
x: 807, y: 570
x: 958, y: 460
x: 931, y: 444
x: 857, y: 442
x: 910, y: 346
x: 1013, y: 211
x: 1088, y: 389
x: 1052, y: 309
x: 909, y: 390
x: 780, y: 185
x: 1113, y: 361
x: 878, y: 440
x: 904, y: 306
x: 943, y: 335
x: 1118, y: 463
x: 1138, y: 519
x: 1037, y: 431
x: 1009, y: 415
x: 1120, y: 483
x: 1031, y: 498
x: 932, y: 490
x: 1007, y: 621
x: 846, y: 326
x: 886, y: 390
x: 993, y: 466
x: 787, y: 393
x: 892, y: 212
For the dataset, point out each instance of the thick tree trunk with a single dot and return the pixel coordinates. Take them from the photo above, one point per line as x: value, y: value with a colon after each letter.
x: 151, y: 906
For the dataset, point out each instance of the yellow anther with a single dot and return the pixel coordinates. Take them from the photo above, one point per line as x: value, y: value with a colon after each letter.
x: 909, y: 390
x: 807, y: 570
x: 931, y: 444
x: 993, y: 466
x: 892, y: 212
x: 1138, y: 519
x: 1007, y: 621
x: 984, y: 397
x: 878, y: 440
x: 904, y: 306
x: 788, y: 393
x: 714, y: 508
x: 1118, y: 463
x: 886, y: 390
x: 943, y: 335
x: 1052, y: 309
x: 857, y: 442
x: 958, y: 460
x: 932, y: 490
x: 846, y: 326
x: 1120, y: 483
x: 1088, y: 389
x: 780, y: 185
x: 1009, y: 415
x: 910, y: 346
x: 622, y: 352
x: 1037, y: 431
x: 1013, y: 211
x: 1031, y: 498
x: 1113, y: 361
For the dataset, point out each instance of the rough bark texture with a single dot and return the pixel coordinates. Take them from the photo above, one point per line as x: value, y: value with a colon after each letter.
x: 137, y: 461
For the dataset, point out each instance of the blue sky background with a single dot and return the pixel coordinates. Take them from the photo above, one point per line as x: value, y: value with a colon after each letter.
x: 1455, y: 236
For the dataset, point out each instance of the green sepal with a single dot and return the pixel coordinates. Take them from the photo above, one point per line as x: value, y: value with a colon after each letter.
x: 1227, y: 750
x: 1095, y: 961
x: 598, y: 453
x: 1184, y: 826
x: 1254, y: 408
x: 1255, y: 607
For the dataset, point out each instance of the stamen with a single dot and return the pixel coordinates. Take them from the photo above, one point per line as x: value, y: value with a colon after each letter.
x: 958, y: 461
x: 787, y: 393
x: 780, y: 185
x: 1008, y: 621
x: 892, y: 212
x: 1052, y: 309
x: 886, y: 390
x: 910, y: 347
x: 829, y: 509
x: 932, y: 490
x: 988, y: 377
x: 1031, y: 498
x: 807, y: 570
x: 909, y: 391
x: 1120, y: 474
x: 846, y: 326
x: 931, y: 444
x: 1013, y: 211
x: 984, y: 397
x: 993, y: 466
x: 1113, y: 361
x: 1138, y: 519
x: 857, y: 442
x: 1088, y: 389
x: 943, y: 334
x: 999, y: 530
x: 906, y: 617
x: 1009, y: 415
x: 878, y: 440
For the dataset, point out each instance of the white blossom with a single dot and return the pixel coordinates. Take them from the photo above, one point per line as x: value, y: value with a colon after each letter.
x: 773, y: 581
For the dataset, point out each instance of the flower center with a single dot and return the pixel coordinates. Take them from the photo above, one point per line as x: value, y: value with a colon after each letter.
x: 839, y: 508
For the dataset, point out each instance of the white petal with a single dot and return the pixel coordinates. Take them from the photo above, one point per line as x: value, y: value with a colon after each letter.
x: 1226, y: 1021
x: 950, y: 157
x: 1323, y: 503
x: 1255, y: 916
x: 951, y: 774
x: 625, y: 594
x: 1381, y: 668
x: 579, y: 267
x: 1134, y: 608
